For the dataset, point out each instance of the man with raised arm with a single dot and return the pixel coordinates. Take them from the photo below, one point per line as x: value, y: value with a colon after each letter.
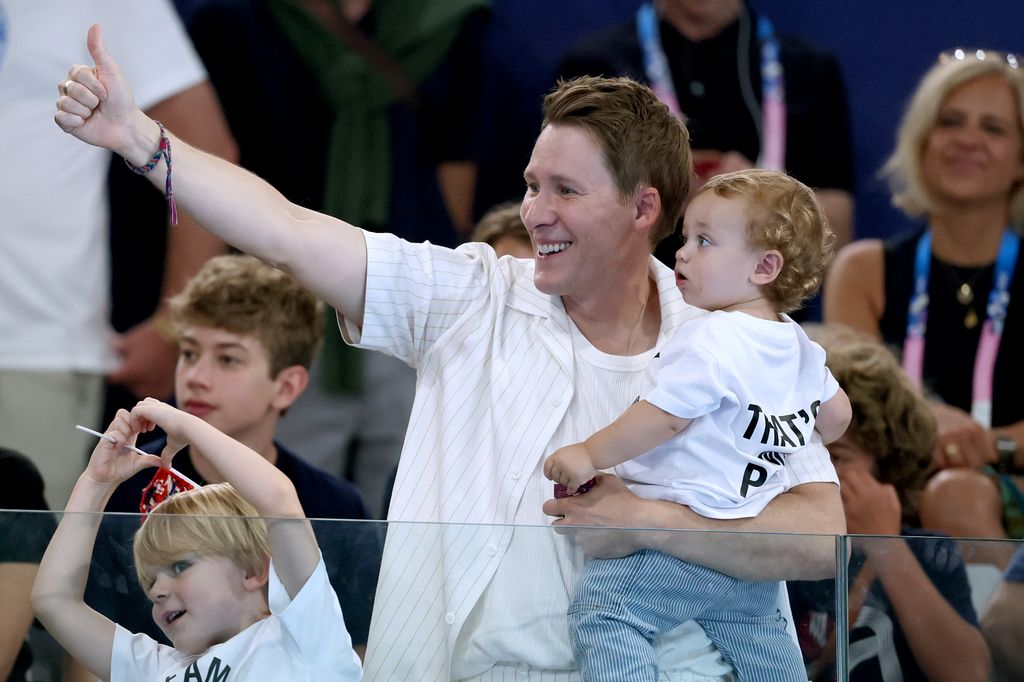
x: 514, y: 358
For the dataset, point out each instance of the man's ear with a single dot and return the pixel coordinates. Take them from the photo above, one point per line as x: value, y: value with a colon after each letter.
x: 647, y: 207
x: 291, y: 382
x: 768, y: 268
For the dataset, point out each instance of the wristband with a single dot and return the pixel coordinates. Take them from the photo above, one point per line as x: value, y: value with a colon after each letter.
x: 163, y: 151
x: 1007, y: 450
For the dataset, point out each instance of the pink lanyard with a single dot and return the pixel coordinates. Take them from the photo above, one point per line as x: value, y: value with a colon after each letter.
x: 772, y: 130
x: 991, y: 331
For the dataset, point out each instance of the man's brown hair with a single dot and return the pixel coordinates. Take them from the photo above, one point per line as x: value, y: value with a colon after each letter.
x: 642, y: 143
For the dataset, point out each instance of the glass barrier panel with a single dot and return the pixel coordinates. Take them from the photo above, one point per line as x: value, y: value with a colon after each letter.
x: 478, y: 602
x: 482, y: 602
x: 932, y: 607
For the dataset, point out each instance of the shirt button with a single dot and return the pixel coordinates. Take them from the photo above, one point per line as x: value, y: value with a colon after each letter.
x: 515, y: 475
x: 556, y: 401
x: 449, y: 618
x: 492, y: 550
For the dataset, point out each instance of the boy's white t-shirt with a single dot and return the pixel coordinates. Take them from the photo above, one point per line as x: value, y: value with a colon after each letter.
x: 303, y: 639
x: 750, y: 386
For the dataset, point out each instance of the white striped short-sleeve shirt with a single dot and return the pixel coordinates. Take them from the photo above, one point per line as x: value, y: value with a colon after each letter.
x: 494, y: 379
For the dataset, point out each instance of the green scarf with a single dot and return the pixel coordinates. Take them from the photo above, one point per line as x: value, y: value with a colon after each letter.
x: 416, y: 35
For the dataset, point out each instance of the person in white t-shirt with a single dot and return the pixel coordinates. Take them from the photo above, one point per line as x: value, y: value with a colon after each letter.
x: 736, y: 392
x: 55, y: 266
x: 239, y: 598
x: 514, y: 358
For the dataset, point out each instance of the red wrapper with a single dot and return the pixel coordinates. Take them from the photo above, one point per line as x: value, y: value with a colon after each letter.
x: 562, y: 491
x: 166, y: 482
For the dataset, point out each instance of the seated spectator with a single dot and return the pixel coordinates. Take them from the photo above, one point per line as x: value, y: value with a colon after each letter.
x: 247, y: 333
x: 1003, y: 622
x: 910, y: 604
x: 713, y: 57
x: 23, y: 538
x: 502, y: 227
x: 942, y: 293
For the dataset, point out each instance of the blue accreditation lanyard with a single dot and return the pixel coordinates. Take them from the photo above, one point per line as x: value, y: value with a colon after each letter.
x: 773, y: 95
x: 991, y: 331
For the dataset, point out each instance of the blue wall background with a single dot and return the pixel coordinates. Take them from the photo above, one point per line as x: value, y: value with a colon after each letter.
x: 883, y: 46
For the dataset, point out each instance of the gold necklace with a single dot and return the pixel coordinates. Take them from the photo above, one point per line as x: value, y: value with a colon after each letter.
x: 971, y: 319
x: 639, y: 319
x: 963, y: 289
x: 965, y: 294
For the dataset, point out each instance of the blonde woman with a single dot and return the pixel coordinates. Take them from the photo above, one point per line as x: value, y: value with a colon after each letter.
x: 947, y: 293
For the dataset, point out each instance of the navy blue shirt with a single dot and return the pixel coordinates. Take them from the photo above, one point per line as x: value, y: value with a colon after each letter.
x: 877, y: 635
x: 351, y: 551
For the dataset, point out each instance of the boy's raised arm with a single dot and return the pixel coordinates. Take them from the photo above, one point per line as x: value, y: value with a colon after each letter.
x: 59, y: 588
x: 326, y: 255
x: 293, y: 546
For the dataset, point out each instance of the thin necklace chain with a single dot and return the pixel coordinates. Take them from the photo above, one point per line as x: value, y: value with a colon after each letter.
x: 963, y: 287
x: 639, y: 319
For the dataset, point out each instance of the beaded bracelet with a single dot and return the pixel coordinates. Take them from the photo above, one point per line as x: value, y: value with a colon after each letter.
x: 165, y: 152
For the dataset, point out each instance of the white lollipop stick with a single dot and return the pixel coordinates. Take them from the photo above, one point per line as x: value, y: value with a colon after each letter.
x: 111, y: 439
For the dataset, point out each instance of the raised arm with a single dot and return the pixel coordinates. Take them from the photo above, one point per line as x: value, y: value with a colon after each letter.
x: 59, y: 589
x: 944, y: 644
x: 292, y: 543
x: 326, y: 255
x: 147, y: 356
x: 1003, y: 625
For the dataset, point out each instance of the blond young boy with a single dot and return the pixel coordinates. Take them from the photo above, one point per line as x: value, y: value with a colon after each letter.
x: 238, y: 598
x: 247, y: 333
x: 736, y: 392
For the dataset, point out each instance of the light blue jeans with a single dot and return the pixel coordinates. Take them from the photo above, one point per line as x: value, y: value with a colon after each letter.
x: 621, y: 605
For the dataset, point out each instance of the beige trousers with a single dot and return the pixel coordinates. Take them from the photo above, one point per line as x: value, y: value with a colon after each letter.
x: 38, y: 413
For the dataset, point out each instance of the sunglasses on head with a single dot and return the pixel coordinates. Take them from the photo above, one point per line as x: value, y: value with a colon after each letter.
x: 961, y: 54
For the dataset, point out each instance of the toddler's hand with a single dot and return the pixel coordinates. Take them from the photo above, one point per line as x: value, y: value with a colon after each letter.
x: 570, y: 466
